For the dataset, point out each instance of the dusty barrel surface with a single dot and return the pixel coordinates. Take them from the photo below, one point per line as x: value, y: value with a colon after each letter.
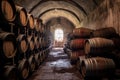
x: 77, y: 44
x: 7, y: 10
x: 23, y: 69
x: 104, y: 32
x: 21, y: 16
x: 7, y: 45
x: 32, y: 63
x: 97, y: 66
x: 31, y: 21
x: 22, y: 43
x: 95, y: 46
x: 10, y: 73
x: 82, y: 32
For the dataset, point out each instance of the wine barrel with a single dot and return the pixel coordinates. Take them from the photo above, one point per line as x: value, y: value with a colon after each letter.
x: 22, y: 43
x: 21, y: 16
x: 23, y: 69
x: 79, y: 61
x: 10, y: 72
x: 37, y: 24
x: 37, y: 44
x: 37, y: 59
x: 98, y: 66
x: 32, y: 63
x: 75, y: 54
x: 95, y: 46
x: 31, y: 44
x: 82, y: 32
x: 104, y: 32
x: 7, y: 45
x: 7, y: 10
x: 77, y: 44
x: 31, y: 21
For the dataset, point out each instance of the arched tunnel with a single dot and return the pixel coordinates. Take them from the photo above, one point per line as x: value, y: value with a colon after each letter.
x: 77, y: 39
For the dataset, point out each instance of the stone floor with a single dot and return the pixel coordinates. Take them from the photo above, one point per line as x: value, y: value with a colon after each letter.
x: 56, y: 67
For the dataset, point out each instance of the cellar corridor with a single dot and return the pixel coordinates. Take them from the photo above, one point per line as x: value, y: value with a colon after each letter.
x: 60, y: 40
x: 56, y: 67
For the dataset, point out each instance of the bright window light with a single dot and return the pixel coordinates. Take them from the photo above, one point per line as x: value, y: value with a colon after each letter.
x: 59, y: 35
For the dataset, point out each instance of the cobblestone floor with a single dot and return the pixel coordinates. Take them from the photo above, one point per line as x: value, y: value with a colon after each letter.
x: 56, y: 67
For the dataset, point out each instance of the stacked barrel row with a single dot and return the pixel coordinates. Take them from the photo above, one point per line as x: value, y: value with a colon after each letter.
x: 102, y: 44
x: 77, y: 44
x: 23, y: 42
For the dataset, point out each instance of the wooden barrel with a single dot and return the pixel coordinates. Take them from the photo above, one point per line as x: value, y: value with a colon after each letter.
x: 21, y: 16
x: 97, y: 66
x: 31, y: 21
x: 95, y: 46
x: 36, y: 40
x: 23, y: 69
x: 37, y: 24
x: 31, y: 44
x: 32, y: 63
x: 22, y: 43
x: 79, y: 61
x: 82, y: 32
x: 7, y: 45
x: 75, y: 54
x: 37, y: 59
x: 77, y: 44
x: 10, y: 73
x: 7, y: 10
x: 104, y: 32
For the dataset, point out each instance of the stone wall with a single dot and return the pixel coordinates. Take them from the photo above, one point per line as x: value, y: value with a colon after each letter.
x: 107, y: 14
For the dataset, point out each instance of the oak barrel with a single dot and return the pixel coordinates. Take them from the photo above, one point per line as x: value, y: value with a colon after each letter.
x: 77, y: 44
x: 10, y: 72
x: 79, y: 61
x: 75, y: 54
x: 82, y: 32
x: 108, y: 32
x: 95, y: 46
x: 21, y: 16
x: 37, y: 59
x: 30, y: 21
x: 22, y: 43
x: 7, y: 45
x: 23, y: 69
x: 97, y: 66
x: 31, y: 44
x: 7, y: 10
x: 32, y: 63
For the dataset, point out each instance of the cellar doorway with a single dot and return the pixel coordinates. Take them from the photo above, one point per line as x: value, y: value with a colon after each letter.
x: 58, y: 37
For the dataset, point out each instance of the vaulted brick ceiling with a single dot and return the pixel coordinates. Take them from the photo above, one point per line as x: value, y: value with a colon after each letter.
x: 73, y: 10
